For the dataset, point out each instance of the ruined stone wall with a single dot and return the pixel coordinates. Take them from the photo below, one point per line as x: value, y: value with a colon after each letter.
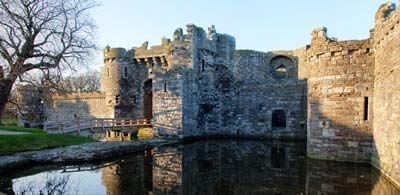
x: 386, y: 116
x: 169, y: 78
x: 209, y: 86
x: 340, y: 85
x: 83, y: 105
x: 267, y: 83
x: 185, y: 90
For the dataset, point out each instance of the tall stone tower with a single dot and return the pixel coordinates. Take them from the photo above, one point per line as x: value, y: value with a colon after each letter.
x: 116, y: 73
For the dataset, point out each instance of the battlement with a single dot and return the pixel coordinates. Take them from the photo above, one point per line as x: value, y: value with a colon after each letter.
x: 114, y: 53
x: 156, y: 50
x: 323, y: 46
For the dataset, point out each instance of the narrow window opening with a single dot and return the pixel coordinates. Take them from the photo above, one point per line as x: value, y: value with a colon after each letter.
x: 117, y: 99
x: 202, y: 65
x: 365, y: 108
x: 165, y: 87
x: 108, y: 72
x: 126, y: 72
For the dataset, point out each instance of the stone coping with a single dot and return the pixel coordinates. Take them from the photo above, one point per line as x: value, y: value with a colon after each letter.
x: 79, y: 153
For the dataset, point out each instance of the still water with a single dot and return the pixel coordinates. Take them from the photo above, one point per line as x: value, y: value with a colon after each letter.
x: 204, y: 167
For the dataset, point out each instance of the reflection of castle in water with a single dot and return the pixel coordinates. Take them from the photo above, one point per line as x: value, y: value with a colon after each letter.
x: 133, y: 174
x: 219, y: 167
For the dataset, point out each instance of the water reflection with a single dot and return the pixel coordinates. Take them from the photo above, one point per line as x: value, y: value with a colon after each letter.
x: 207, y: 167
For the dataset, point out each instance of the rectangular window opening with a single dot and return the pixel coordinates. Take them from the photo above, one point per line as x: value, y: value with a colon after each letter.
x: 202, y: 65
x: 365, y: 108
x: 126, y: 72
x: 165, y: 87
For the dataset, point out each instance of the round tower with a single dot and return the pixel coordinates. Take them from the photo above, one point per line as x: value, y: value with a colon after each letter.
x: 116, y: 76
x: 112, y: 70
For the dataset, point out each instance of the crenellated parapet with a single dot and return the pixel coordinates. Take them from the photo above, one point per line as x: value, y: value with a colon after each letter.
x: 112, y: 54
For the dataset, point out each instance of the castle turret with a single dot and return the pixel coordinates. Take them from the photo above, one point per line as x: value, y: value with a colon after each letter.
x: 115, y: 76
x: 111, y: 73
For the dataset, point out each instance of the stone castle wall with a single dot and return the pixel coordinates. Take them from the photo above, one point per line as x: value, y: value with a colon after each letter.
x: 267, y: 83
x: 339, y: 91
x: 386, y: 127
x: 83, y: 105
x: 337, y: 94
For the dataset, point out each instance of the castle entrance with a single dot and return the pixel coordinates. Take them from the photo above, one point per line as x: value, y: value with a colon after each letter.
x: 148, y: 99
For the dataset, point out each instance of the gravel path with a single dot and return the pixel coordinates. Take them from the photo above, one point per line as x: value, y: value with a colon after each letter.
x: 6, y: 132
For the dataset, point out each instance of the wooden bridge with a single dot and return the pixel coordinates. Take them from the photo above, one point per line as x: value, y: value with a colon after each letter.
x: 93, y: 124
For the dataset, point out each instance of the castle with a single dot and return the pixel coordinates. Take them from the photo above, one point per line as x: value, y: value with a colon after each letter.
x: 341, y: 96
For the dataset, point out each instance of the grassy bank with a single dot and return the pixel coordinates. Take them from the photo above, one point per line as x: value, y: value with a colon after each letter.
x: 36, y: 140
x: 21, y: 129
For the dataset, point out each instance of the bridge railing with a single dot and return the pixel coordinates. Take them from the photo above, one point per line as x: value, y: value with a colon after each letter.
x: 76, y: 125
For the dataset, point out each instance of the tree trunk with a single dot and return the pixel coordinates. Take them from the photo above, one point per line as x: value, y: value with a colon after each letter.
x: 5, y: 91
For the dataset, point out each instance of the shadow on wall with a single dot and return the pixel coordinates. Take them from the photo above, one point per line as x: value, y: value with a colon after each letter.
x: 167, y: 100
x: 70, y: 110
x: 332, y: 140
x: 212, y: 100
x: 335, y: 141
x: 262, y: 98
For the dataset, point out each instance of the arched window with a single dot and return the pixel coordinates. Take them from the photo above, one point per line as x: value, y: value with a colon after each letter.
x: 278, y: 119
x: 281, y: 67
x: 281, y: 71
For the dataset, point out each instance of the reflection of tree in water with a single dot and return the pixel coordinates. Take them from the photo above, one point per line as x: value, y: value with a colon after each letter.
x: 52, y: 184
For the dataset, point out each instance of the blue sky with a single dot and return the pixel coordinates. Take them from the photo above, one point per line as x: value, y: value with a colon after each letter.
x: 262, y: 25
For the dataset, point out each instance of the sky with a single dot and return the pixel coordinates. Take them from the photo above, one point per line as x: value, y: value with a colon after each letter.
x: 262, y: 25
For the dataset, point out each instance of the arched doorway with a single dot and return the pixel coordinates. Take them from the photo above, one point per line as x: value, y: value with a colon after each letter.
x: 148, y: 99
x: 278, y: 119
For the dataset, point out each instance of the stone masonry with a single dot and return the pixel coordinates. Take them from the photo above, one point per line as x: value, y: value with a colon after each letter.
x: 339, y: 95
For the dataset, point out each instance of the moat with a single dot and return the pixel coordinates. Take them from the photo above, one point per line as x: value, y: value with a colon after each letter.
x: 204, y: 167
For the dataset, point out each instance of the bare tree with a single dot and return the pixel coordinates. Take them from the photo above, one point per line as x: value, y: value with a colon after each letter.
x: 83, y: 82
x: 42, y: 35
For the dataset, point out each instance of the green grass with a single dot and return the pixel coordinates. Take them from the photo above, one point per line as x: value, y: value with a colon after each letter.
x: 37, y: 141
x: 21, y: 129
